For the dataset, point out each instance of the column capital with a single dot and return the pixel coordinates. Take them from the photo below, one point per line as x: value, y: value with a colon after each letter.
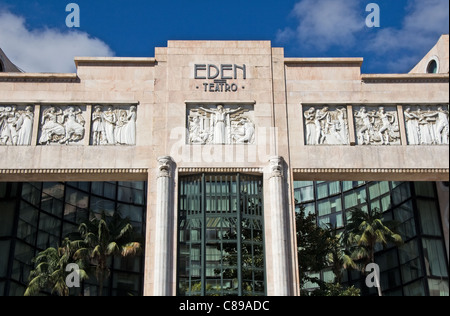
x: 276, y: 166
x: 165, y: 167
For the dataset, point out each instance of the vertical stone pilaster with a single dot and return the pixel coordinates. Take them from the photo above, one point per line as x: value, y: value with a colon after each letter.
x: 279, y: 236
x: 351, y: 126
x: 163, y: 244
x: 36, y: 123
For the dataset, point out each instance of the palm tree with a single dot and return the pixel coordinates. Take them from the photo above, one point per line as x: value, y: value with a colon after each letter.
x: 50, y: 271
x: 367, y: 229
x: 104, y: 238
x: 338, y: 256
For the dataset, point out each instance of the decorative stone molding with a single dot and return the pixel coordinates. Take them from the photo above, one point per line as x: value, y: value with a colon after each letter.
x: 220, y: 124
x: 113, y: 125
x: 74, y: 171
x: 62, y: 125
x: 219, y: 170
x: 165, y: 167
x: 326, y: 125
x: 16, y: 125
x: 377, y: 126
x: 276, y: 167
x: 426, y: 125
x: 370, y: 170
x: 39, y: 77
x: 405, y: 78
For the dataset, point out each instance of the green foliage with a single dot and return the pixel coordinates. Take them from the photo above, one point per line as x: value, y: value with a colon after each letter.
x: 96, y: 241
x: 336, y: 289
x: 50, y: 270
x: 313, y: 246
x: 367, y: 229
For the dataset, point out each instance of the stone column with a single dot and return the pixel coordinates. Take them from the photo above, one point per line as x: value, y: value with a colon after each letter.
x: 162, y: 269
x: 279, y: 229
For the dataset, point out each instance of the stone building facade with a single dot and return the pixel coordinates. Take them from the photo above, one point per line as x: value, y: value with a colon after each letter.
x: 235, y: 109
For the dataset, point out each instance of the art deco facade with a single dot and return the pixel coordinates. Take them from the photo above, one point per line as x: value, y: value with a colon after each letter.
x: 206, y: 147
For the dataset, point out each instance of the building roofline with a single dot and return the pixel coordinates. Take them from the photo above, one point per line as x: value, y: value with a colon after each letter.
x: 111, y: 61
x: 305, y: 61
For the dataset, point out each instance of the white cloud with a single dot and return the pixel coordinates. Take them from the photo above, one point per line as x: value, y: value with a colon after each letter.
x: 46, y: 50
x: 325, y: 23
x: 424, y: 23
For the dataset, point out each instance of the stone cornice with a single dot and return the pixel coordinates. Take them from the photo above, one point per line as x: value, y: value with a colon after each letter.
x: 39, y: 77
x: 75, y: 171
x: 372, y: 170
x: 405, y: 78
x: 324, y: 61
x: 219, y: 170
x: 114, y: 61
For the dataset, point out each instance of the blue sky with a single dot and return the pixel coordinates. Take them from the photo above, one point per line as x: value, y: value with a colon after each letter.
x: 34, y: 34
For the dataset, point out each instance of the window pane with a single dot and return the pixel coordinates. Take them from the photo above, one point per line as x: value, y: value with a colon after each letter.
x: 415, y: 289
x: 429, y: 217
x: 425, y: 189
x: 6, y: 217
x: 435, y: 260
x: 438, y: 287
x: 401, y: 193
x: 4, y: 251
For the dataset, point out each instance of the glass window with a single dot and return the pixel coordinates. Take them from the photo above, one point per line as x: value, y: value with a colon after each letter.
x: 401, y: 193
x: 415, y: 289
x: 304, y: 194
x: 77, y: 198
x: 3, y: 187
x: 378, y: 189
x: 4, y: 252
x: 404, y: 214
x: 329, y: 206
x: 438, y: 287
x: 355, y: 198
x: 425, y: 189
x: 435, y: 258
x: 327, y: 189
x: 411, y: 270
x: 98, y: 206
x: 348, y: 185
x: 7, y: 211
x: 31, y: 193
x: 429, y: 217
x: 409, y: 251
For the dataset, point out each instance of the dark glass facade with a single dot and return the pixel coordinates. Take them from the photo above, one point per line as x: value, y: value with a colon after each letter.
x: 36, y: 216
x: 419, y: 267
x: 221, y: 236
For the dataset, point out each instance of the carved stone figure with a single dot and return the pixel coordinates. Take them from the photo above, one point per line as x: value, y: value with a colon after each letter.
x: 114, y: 126
x: 428, y: 127
x: 64, y: 127
x: 220, y: 125
x: 248, y: 132
x: 378, y: 127
x: 412, y: 127
x: 16, y: 126
x: 220, y: 119
x: 325, y: 126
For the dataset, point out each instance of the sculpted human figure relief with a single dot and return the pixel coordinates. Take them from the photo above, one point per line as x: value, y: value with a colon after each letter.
x: 16, y: 126
x: 114, y: 126
x: 220, y: 125
x: 62, y: 126
x: 377, y: 127
x: 326, y: 126
x: 427, y: 127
